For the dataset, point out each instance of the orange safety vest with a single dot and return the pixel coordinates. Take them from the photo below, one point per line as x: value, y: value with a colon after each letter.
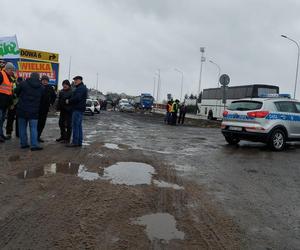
x: 169, y: 107
x: 7, y: 86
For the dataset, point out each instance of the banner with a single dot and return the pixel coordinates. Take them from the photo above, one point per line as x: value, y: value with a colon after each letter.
x: 39, y: 55
x: 24, y: 67
x: 9, y: 47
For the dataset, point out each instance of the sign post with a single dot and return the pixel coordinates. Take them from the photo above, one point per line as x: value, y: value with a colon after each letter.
x: 224, y: 81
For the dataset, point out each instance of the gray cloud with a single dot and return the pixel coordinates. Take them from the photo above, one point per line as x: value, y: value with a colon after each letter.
x: 127, y: 41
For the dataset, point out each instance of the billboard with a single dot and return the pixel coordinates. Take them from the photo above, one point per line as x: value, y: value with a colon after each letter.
x: 44, y: 63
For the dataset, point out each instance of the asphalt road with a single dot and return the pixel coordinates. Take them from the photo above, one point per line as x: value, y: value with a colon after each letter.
x: 249, y: 193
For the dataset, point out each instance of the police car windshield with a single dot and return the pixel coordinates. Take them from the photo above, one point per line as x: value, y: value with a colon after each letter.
x: 245, y: 105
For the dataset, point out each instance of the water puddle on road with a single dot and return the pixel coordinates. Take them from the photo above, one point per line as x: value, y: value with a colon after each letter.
x: 160, y: 226
x: 163, y: 184
x: 64, y: 168
x: 129, y: 173
x: 112, y: 146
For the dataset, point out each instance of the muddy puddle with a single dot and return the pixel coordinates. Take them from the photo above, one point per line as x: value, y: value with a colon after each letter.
x: 129, y: 173
x: 160, y: 226
x: 112, y: 146
x: 121, y: 173
x: 63, y: 168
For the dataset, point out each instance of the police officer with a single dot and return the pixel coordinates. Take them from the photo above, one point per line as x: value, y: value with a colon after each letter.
x: 175, y: 107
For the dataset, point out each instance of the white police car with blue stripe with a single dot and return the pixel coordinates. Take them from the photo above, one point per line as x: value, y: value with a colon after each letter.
x: 272, y: 119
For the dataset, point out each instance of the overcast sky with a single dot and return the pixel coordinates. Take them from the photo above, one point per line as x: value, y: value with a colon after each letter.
x: 126, y: 41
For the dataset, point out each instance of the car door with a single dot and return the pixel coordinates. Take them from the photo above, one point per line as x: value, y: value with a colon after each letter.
x: 289, y: 117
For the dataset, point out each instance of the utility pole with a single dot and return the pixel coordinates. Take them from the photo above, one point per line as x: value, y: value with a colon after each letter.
x: 70, y: 62
x: 202, y: 50
x: 158, y: 85
x: 154, y: 82
x: 97, y: 81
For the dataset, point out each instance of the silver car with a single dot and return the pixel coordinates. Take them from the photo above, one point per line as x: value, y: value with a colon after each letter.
x: 270, y: 120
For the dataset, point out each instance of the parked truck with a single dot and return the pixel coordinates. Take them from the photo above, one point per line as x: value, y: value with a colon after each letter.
x: 144, y: 101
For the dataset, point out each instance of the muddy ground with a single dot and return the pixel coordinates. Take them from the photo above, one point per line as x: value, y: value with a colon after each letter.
x: 219, y: 197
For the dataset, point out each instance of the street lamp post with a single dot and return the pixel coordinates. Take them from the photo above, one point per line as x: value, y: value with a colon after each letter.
x: 158, y: 84
x: 202, y: 50
x: 97, y: 81
x: 181, y: 72
x: 292, y: 40
x: 154, y: 82
x: 219, y: 69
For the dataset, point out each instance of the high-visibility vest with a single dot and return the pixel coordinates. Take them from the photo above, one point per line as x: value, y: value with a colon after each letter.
x: 169, y: 107
x: 174, y: 107
x: 7, y: 86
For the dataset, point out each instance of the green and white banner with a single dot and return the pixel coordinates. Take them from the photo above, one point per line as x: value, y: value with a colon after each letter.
x: 9, y: 47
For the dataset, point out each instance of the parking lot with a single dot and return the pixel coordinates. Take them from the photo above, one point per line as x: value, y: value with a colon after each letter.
x: 209, y: 194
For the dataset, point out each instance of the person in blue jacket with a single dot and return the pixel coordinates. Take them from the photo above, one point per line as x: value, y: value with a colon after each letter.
x: 29, y: 92
x: 78, y: 103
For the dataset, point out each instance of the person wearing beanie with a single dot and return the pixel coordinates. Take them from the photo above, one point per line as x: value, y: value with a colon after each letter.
x: 48, y: 98
x: 6, y: 94
x: 29, y: 92
x: 65, y: 116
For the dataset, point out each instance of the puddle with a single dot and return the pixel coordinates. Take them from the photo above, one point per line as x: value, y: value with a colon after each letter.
x: 163, y: 184
x: 112, y: 146
x: 97, y: 154
x: 129, y: 173
x: 89, y: 136
x: 160, y: 226
x: 64, y: 168
x: 86, y: 143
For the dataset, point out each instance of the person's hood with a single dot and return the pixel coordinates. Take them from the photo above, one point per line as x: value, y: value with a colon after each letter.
x: 34, y: 83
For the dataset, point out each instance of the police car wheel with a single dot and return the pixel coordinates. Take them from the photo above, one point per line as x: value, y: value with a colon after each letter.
x: 277, y: 140
x: 232, y: 140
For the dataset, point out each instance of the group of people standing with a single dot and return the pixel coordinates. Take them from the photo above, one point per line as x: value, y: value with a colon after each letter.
x: 28, y: 102
x: 172, y: 112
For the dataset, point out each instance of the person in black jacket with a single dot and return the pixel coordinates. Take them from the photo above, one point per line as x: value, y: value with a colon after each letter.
x: 182, y: 112
x: 11, y: 113
x: 48, y: 98
x: 78, y: 102
x: 6, y: 93
x: 65, y: 116
x: 29, y: 92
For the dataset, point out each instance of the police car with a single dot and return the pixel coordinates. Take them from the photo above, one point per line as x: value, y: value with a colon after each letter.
x: 274, y: 119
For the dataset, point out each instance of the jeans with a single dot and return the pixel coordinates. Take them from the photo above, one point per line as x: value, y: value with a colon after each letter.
x: 33, y: 132
x: 77, y: 127
x: 2, y: 119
